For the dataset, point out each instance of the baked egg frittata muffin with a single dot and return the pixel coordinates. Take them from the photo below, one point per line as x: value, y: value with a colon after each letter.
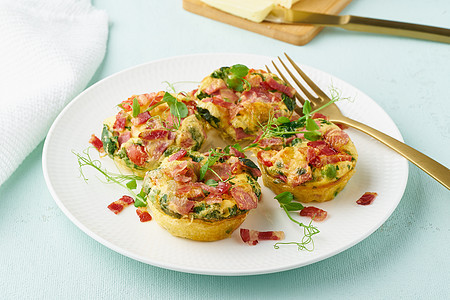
x: 312, y: 170
x: 202, y: 197
x: 238, y: 101
x: 144, y: 129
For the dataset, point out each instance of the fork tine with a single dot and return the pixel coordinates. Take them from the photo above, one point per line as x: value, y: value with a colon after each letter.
x: 296, y: 95
x: 304, y: 90
x: 311, y: 83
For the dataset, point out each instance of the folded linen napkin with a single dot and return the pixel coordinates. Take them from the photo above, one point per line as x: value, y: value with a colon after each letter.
x: 49, y: 50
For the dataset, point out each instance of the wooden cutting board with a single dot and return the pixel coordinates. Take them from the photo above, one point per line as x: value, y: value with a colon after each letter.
x: 293, y: 34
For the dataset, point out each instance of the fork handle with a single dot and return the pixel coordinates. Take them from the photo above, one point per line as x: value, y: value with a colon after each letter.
x: 427, y: 164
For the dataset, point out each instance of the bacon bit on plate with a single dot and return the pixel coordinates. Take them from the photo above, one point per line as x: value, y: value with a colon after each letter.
x: 97, y: 143
x: 315, y: 213
x: 367, y: 198
x: 117, y: 206
x: 252, y: 237
x: 143, y: 214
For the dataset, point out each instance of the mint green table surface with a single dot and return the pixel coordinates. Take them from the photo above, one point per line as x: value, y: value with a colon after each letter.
x: 44, y: 255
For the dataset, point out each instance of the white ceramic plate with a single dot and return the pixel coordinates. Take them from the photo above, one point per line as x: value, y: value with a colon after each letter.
x: 378, y: 170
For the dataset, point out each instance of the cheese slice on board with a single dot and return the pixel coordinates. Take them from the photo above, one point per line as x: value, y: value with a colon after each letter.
x: 253, y: 10
x: 286, y: 3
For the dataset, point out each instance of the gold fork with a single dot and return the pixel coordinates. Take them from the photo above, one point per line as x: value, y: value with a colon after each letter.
x: 430, y: 166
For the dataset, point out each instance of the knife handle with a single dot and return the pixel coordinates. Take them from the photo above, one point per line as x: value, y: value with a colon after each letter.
x: 417, y: 31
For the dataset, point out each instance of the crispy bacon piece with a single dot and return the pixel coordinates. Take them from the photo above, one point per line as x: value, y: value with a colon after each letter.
x: 280, y: 87
x: 177, y: 155
x: 118, y: 205
x: 319, y: 116
x: 223, y: 187
x: 315, y: 213
x: 97, y: 143
x: 143, y: 214
x: 213, y: 198
x: 244, y: 200
x: 221, y: 169
x: 182, y: 205
x: 367, y: 198
x: 216, y: 84
x: 236, y: 153
x: 137, y: 154
x: 141, y: 118
x: 252, y: 237
x: 220, y: 102
x: 124, y: 137
x: 240, y: 134
x: 154, y: 134
x: 336, y: 138
x: 229, y: 95
x: 258, y: 94
x: 270, y: 142
x: 264, y: 158
x: 121, y: 121
x: 323, y: 147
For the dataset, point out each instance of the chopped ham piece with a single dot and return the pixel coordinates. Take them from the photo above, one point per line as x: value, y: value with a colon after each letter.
x: 221, y: 169
x: 155, y: 134
x: 213, y: 198
x: 97, y: 143
x: 244, y: 200
x: 182, y: 205
x: 315, y: 213
x: 252, y: 237
x: 319, y: 116
x: 270, y: 142
x: 280, y: 87
x: 143, y: 214
x: 367, y: 198
x: 323, y: 147
x: 223, y: 187
x: 216, y: 84
x: 177, y: 155
x: 236, y: 153
x: 264, y: 158
x: 137, y: 154
x: 121, y: 120
x: 117, y: 206
x: 240, y: 134
x: 124, y: 137
x: 141, y: 118
x: 220, y: 102
x: 336, y: 138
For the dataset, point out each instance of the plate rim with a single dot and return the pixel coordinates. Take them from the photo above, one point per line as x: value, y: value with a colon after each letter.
x: 260, y: 271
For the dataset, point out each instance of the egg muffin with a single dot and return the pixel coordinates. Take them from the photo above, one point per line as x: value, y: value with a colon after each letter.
x: 145, y: 128
x: 314, y: 169
x: 202, y: 196
x: 237, y: 100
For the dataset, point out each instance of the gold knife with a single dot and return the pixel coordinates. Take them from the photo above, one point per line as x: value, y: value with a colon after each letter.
x: 355, y: 23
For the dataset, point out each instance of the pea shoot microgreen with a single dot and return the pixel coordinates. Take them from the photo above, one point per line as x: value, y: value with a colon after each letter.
x: 129, y: 182
x: 136, y: 108
x: 287, y: 203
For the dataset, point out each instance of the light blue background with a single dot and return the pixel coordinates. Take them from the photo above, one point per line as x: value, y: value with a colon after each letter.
x: 44, y: 255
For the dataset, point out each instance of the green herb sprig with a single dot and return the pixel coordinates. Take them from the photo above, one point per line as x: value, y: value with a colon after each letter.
x: 128, y: 182
x: 286, y: 201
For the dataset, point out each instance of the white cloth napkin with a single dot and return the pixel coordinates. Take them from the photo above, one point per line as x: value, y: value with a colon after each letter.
x: 49, y: 50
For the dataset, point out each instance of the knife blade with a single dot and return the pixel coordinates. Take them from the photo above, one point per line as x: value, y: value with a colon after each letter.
x: 356, y: 23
